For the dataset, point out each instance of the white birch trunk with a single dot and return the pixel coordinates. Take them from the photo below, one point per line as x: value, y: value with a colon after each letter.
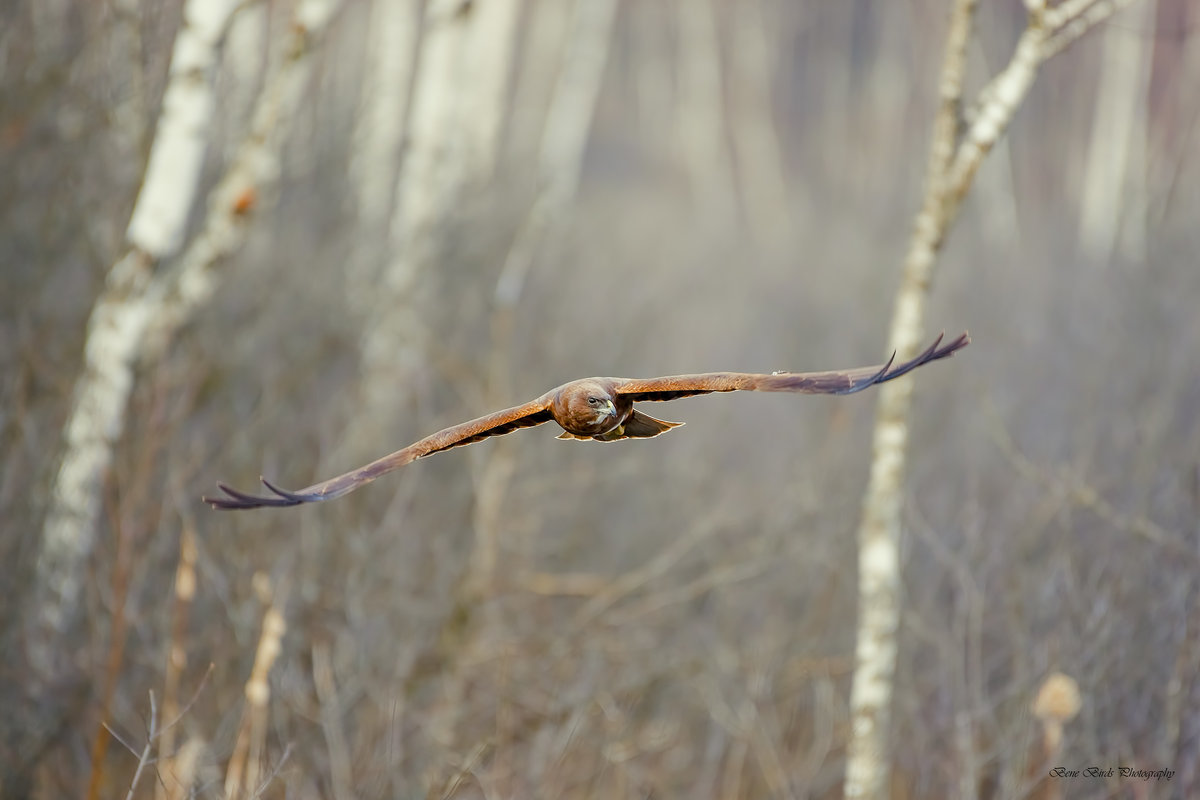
x: 868, y: 767
x: 573, y: 104
x: 430, y: 184
x: 568, y: 123
x: 1114, y: 189
x: 119, y: 319
x: 564, y: 139
x: 995, y: 192
x: 392, y: 36
x: 136, y: 302
x: 543, y: 50
x: 176, y: 294
x: 379, y: 133
x: 490, y: 54
x: 173, y: 173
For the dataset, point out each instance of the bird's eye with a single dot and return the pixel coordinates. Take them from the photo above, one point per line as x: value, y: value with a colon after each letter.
x: 593, y: 400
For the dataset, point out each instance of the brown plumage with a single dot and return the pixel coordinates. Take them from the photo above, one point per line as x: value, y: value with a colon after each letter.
x: 599, y: 409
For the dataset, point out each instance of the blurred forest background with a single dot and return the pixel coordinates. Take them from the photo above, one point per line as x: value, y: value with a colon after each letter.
x: 389, y: 238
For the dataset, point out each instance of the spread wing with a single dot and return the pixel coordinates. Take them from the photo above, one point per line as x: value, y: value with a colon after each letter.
x: 532, y: 413
x: 846, y: 381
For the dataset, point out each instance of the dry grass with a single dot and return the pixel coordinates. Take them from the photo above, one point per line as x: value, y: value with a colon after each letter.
x: 671, y: 618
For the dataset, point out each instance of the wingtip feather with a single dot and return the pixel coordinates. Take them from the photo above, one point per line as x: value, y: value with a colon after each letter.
x: 236, y: 499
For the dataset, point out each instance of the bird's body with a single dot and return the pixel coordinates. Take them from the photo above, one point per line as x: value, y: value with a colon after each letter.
x: 598, y: 409
x: 589, y: 407
x: 594, y: 408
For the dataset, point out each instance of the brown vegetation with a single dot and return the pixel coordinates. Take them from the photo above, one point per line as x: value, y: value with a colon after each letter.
x: 673, y: 618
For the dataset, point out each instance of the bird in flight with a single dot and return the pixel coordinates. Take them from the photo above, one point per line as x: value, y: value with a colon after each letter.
x: 598, y: 409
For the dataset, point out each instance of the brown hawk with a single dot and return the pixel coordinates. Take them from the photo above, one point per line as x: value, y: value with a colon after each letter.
x: 597, y: 409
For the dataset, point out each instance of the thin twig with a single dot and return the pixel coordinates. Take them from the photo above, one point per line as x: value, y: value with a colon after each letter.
x: 144, y: 759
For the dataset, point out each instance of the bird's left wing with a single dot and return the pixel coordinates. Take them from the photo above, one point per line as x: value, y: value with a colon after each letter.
x: 532, y: 413
x: 846, y: 381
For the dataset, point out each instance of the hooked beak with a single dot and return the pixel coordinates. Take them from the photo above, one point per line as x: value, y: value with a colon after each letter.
x: 610, y: 408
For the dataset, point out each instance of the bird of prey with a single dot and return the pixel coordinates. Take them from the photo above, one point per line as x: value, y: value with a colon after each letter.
x: 596, y: 409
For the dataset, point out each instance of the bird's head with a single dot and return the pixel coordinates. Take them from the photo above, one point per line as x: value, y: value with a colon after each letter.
x: 590, y: 408
x: 592, y: 401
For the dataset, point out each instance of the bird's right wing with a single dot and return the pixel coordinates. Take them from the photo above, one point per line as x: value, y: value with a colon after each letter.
x: 532, y: 413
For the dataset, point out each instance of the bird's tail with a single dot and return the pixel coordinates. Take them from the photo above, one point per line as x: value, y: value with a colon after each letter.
x: 644, y: 426
x: 638, y: 426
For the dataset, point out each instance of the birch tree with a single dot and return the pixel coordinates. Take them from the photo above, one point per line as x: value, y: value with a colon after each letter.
x: 454, y: 127
x: 955, y: 154
x: 564, y: 137
x: 429, y: 185
x: 1113, y: 198
x: 493, y: 43
x: 120, y: 316
x: 701, y: 121
x: 544, y: 39
x: 560, y: 161
x: 143, y: 302
x: 392, y: 35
